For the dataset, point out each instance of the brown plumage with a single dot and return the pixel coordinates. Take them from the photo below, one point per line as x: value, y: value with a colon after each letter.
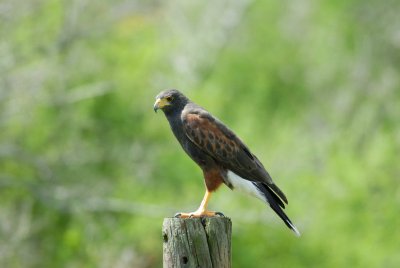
x: 217, y: 140
x: 222, y: 156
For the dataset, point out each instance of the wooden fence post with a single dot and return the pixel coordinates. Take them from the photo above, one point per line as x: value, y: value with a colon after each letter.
x: 197, y: 242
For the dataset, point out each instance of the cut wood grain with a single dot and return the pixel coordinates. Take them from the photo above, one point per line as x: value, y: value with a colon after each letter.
x: 197, y: 242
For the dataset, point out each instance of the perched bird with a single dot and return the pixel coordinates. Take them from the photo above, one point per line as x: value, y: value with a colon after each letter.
x: 222, y: 156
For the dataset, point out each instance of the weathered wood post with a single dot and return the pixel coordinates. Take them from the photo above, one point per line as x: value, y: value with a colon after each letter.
x: 197, y: 242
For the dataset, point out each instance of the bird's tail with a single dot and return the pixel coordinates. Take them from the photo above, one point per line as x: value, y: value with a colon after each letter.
x: 276, y: 204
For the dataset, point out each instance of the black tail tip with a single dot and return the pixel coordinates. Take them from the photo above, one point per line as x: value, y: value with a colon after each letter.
x: 293, y: 228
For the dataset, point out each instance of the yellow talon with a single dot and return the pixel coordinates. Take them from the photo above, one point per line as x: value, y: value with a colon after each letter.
x: 201, y: 211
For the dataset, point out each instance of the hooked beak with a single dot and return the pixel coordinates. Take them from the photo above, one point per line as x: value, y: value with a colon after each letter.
x: 156, y: 105
x: 160, y: 103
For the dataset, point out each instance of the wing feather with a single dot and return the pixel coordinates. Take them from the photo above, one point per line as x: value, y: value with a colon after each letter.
x: 214, y: 138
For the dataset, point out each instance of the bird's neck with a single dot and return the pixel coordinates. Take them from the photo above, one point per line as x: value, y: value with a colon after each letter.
x: 175, y: 122
x: 173, y: 115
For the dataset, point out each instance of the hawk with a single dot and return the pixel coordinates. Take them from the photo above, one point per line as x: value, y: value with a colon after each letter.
x: 222, y: 156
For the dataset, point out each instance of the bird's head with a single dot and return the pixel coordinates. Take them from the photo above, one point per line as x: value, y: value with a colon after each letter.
x: 170, y: 100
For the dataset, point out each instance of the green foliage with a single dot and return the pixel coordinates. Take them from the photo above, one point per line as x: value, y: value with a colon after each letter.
x: 88, y: 171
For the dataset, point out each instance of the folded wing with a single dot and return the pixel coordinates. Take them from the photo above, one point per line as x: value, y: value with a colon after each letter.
x: 219, y: 142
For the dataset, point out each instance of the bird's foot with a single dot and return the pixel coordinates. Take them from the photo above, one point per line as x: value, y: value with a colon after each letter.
x: 198, y: 214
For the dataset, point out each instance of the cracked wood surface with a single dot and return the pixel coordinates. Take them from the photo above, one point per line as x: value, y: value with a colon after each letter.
x: 197, y: 242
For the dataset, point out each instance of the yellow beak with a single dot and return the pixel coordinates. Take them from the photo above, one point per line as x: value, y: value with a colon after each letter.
x: 159, y: 104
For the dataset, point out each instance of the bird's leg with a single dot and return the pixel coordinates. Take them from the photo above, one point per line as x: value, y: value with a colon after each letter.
x: 201, y: 211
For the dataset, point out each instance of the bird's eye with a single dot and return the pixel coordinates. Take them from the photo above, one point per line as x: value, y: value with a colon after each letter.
x: 169, y: 98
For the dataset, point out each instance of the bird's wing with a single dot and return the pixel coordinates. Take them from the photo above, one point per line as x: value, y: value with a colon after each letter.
x: 219, y: 142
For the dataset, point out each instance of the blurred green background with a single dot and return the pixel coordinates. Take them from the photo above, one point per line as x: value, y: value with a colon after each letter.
x: 88, y: 171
